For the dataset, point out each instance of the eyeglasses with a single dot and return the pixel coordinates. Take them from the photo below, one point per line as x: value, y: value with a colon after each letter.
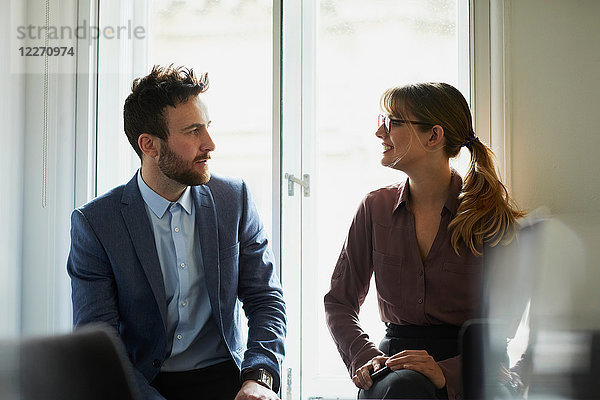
x: 386, y: 121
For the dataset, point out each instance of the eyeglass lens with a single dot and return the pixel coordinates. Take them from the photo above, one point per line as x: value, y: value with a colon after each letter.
x: 385, y: 121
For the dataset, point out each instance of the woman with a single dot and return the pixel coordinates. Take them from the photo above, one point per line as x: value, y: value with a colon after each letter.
x: 423, y: 239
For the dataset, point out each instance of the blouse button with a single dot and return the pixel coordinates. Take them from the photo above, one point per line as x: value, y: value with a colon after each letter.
x: 420, y: 301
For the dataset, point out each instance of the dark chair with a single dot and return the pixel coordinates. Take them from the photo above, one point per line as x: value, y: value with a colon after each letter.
x: 482, y: 352
x: 85, y: 365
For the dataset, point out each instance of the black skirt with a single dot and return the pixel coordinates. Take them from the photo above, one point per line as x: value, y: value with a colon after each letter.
x: 440, y: 341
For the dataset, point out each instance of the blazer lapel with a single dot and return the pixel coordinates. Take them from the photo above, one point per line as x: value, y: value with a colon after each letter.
x: 140, y: 230
x: 206, y: 223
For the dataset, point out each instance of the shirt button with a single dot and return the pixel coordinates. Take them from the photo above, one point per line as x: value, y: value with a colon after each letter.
x: 179, y: 337
x: 183, y: 303
x: 176, y: 229
x: 182, y: 265
x: 420, y: 301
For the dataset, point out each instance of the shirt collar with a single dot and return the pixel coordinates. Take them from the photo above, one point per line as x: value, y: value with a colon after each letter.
x: 403, y: 192
x: 452, y: 201
x: 158, y: 204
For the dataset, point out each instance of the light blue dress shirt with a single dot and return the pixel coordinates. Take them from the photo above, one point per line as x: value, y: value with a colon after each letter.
x: 192, y: 335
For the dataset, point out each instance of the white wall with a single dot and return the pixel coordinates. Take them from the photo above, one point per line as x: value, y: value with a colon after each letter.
x: 555, y: 87
x: 554, y: 69
x: 12, y: 116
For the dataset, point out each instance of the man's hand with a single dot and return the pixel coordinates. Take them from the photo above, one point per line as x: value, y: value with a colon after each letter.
x: 420, y: 361
x: 362, y: 379
x: 252, y: 390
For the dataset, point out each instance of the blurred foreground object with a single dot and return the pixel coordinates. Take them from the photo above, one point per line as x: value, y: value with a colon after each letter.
x: 553, y: 266
x: 85, y: 365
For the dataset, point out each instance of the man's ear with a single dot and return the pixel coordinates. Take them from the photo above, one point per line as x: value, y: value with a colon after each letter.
x: 149, y: 145
x: 436, y: 136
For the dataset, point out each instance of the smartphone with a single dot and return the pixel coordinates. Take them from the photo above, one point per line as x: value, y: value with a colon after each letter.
x: 380, y: 373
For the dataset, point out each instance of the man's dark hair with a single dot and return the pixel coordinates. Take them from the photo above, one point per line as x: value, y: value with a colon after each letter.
x: 144, y: 110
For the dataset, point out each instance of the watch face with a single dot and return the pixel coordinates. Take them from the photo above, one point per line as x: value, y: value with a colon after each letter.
x: 265, y: 377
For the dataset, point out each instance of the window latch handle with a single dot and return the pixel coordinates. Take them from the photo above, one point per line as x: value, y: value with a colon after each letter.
x: 305, y: 183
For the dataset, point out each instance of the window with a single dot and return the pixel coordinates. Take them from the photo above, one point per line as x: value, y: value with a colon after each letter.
x: 349, y: 54
x: 333, y: 59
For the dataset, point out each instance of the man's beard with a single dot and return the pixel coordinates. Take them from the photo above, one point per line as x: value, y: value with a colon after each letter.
x: 172, y: 166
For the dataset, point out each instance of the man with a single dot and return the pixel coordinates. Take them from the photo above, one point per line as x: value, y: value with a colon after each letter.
x: 169, y: 258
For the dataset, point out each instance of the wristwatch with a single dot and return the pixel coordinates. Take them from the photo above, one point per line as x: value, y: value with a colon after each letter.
x: 261, y: 375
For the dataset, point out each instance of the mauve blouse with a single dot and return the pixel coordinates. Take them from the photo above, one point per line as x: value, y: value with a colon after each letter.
x: 443, y: 289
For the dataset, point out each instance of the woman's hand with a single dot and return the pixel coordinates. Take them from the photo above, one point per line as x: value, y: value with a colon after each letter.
x: 420, y: 361
x: 511, y: 381
x: 362, y: 379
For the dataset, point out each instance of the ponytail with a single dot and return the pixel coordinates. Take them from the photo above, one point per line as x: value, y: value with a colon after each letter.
x: 486, y: 212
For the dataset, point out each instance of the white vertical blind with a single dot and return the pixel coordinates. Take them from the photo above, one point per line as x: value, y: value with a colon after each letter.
x: 12, y: 111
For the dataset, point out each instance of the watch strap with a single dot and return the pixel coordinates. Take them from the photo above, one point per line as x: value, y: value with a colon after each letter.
x: 260, y: 375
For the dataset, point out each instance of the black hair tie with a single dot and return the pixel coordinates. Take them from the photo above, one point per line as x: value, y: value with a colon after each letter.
x: 470, y: 140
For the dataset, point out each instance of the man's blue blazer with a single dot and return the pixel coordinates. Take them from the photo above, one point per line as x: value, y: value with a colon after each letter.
x: 116, y: 276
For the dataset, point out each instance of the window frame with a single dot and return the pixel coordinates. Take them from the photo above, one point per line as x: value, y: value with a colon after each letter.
x: 490, y: 78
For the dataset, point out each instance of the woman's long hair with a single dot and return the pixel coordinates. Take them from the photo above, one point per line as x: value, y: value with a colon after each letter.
x: 486, y: 212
